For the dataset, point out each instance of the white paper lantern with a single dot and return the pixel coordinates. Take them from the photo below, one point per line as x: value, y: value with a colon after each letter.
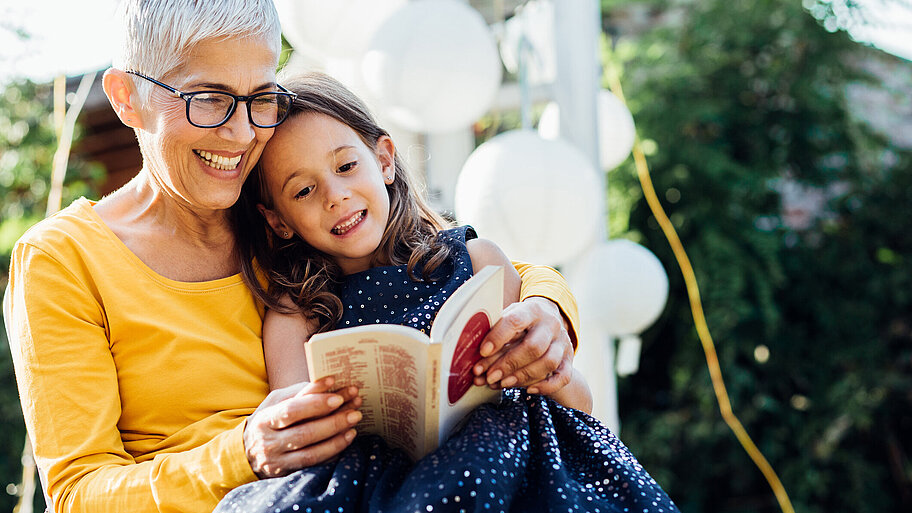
x: 337, y: 28
x: 615, y: 125
x: 621, y: 286
x: 540, y: 200
x: 434, y: 66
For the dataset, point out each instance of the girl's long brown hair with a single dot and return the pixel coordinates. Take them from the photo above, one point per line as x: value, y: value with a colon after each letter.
x: 292, y: 268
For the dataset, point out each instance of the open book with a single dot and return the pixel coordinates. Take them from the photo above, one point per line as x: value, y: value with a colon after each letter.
x: 416, y: 388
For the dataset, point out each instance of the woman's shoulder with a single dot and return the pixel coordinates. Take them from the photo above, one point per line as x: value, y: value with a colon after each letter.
x: 75, y: 225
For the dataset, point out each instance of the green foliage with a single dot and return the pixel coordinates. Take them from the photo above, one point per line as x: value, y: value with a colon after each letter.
x: 740, y: 100
x: 27, y: 145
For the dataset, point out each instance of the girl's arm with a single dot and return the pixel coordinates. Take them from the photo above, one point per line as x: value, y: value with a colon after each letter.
x: 483, y: 252
x: 284, y: 336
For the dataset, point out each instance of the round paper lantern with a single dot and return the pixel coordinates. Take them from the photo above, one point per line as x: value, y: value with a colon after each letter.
x: 433, y: 66
x: 340, y: 28
x: 615, y: 125
x: 621, y: 286
x: 540, y: 200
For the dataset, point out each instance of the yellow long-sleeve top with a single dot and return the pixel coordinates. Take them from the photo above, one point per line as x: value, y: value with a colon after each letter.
x: 135, y: 387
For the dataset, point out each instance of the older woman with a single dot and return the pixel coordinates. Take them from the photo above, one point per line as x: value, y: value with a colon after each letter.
x: 135, y: 342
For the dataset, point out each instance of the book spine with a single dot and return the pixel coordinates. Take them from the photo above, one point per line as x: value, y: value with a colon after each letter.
x: 432, y: 400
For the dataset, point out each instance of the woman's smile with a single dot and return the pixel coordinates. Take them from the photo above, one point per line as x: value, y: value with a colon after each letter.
x: 219, y: 162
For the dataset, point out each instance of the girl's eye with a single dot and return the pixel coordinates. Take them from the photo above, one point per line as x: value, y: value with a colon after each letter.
x: 303, y: 192
x: 344, y: 168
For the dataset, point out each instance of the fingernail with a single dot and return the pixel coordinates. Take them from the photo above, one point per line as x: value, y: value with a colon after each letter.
x: 532, y: 390
x: 334, y: 401
x: 509, y: 382
x: 350, y: 435
x: 486, y: 348
x: 353, y: 417
x: 495, y: 376
x: 478, y: 369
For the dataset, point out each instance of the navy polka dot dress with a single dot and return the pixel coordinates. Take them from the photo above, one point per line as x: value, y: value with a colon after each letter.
x: 527, y: 454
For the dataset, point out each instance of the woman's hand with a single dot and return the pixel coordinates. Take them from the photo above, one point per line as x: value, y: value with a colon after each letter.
x: 528, y: 347
x: 300, y: 426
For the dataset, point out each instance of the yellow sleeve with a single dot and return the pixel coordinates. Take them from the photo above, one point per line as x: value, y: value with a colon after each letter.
x: 544, y: 281
x: 68, y: 385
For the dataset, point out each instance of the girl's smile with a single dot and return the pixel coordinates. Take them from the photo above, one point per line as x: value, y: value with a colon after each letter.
x: 329, y: 187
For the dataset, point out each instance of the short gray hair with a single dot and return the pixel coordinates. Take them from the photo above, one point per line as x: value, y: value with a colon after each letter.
x: 157, y: 35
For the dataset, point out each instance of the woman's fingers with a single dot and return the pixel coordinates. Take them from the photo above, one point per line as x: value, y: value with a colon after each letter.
x: 554, y: 382
x: 294, y: 419
x: 543, y: 346
x: 310, y: 455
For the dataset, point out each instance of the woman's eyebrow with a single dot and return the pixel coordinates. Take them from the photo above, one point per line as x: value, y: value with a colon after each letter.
x: 228, y: 88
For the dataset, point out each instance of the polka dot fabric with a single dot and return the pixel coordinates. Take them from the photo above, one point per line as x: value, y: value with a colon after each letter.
x: 387, y: 295
x: 527, y: 454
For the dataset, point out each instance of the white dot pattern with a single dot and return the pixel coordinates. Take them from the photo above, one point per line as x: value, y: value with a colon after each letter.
x: 393, y: 298
x: 527, y: 454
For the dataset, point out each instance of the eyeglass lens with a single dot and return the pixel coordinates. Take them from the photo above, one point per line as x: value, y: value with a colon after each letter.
x: 213, y: 108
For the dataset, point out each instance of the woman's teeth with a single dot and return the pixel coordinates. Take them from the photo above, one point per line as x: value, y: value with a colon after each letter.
x: 348, y: 225
x: 217, y: 161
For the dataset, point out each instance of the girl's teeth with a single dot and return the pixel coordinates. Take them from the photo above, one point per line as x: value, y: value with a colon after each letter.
x: 342, y: 228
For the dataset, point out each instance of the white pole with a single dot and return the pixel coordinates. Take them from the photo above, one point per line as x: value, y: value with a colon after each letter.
x: 577, y: 26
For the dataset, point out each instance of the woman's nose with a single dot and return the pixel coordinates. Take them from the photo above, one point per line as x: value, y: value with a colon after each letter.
x: 238, y: 127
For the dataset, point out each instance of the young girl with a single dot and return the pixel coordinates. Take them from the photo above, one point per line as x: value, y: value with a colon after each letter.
x: 347, y: 241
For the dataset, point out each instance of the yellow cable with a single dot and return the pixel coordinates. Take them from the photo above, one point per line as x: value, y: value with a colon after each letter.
x: 696, y: 308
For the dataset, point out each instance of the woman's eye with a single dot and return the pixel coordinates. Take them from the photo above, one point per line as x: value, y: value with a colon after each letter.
x: 344, y: 168
x: 303, y: 192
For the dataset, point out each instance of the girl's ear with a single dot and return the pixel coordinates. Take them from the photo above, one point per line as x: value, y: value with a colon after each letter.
x: 275, y: 222
x: 386, y: 155
x: 118, y: 87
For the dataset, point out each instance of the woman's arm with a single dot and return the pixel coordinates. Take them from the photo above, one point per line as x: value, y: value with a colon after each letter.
x: 70, y: 389
x: 575, y: 394
x: 68, y: 385
x: 539, y: 333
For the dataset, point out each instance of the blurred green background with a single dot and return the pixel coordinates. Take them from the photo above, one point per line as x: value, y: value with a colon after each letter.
x: 774, y: 143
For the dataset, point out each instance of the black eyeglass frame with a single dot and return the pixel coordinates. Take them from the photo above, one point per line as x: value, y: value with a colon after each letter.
x: 187, y: 97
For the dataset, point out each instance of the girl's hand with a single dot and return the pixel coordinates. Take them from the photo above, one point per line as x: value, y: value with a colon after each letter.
x: 528, y: 347
x: 300, y: 426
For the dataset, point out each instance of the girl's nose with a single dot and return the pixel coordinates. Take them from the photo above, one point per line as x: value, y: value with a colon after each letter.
x: 336, y: 192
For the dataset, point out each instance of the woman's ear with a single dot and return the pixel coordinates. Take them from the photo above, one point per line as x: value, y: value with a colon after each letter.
x: 118, y: 87
x: 386, y: 155
x: 275, y: 222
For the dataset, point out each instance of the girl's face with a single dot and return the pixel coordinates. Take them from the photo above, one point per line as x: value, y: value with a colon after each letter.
x: 329, y: 188
x: 204, y: 168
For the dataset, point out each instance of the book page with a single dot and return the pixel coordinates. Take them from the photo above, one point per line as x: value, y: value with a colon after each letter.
x: 460, y: 327
x: 388, y: 363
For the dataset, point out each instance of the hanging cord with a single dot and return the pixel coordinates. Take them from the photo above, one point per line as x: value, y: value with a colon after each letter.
x: 696, y: 308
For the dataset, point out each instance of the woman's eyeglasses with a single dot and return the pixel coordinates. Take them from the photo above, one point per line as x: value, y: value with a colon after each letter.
x: 210, y: 109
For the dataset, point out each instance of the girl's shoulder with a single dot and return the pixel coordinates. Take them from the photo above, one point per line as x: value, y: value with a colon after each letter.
x: 458, y: 234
